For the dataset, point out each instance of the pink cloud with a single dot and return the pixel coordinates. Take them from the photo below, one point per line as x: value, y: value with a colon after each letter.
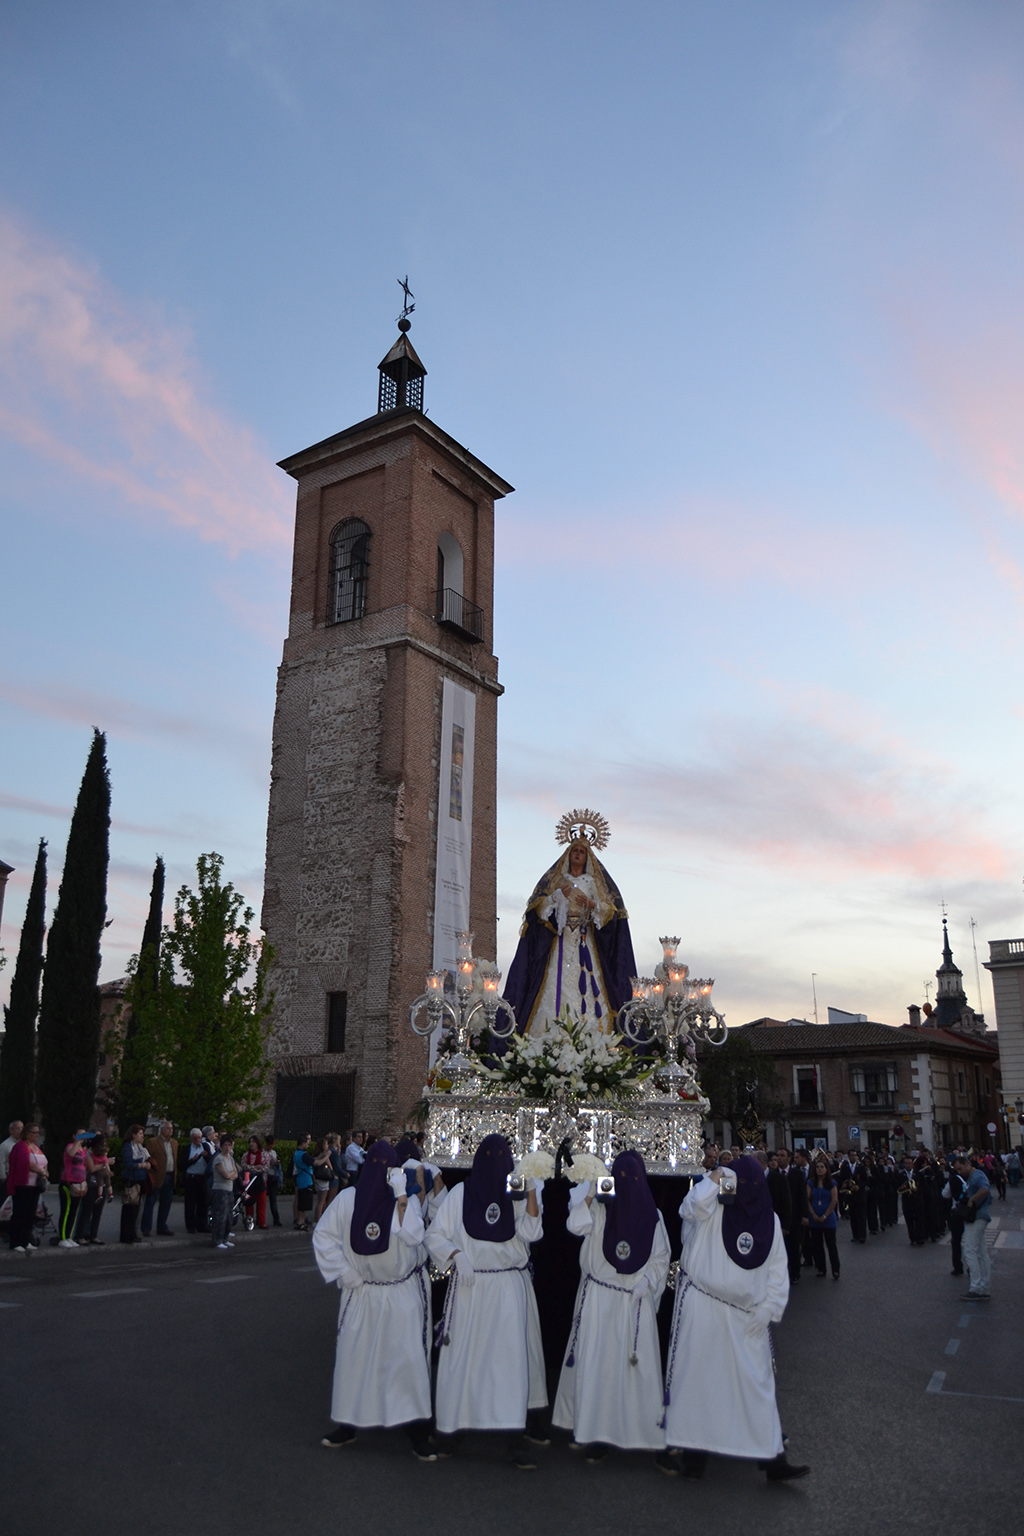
x: 113, y: 396
x: 129, y: 720
x: 710, y: 538
x: 805, y: 795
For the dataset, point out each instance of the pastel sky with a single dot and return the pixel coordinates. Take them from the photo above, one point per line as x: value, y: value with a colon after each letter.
x: 730, y: 293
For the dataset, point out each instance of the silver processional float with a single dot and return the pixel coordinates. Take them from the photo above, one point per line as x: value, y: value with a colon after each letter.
x: 570, y: 1081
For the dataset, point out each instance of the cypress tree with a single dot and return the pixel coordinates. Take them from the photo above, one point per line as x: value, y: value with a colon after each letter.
x: 69, y: 1012
x: 18, y: 1050
x: 132, y: 1097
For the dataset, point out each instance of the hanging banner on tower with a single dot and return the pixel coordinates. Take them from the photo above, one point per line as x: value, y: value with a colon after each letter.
x: 454, y: 826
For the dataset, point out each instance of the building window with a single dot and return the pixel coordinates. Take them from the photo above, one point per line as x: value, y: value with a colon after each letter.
x: 337, y: 1011
x: 806, y: 1087
x: 875, y: 1084
x: 988, y: 1086
x: 317, y: 1104
x: 961, y: 1083
x: 349, y: 567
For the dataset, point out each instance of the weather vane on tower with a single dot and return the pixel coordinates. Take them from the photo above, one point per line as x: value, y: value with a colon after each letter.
x: 408, y: 307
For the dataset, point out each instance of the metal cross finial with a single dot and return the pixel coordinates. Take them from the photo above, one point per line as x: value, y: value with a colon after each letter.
x: 403, y: 283
x: 945, y: 909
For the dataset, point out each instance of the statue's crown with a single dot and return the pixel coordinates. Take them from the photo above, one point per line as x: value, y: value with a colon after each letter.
x: 584, y: 826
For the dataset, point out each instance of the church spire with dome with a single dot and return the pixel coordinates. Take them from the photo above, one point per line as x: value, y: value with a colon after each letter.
x: 952, y: 1010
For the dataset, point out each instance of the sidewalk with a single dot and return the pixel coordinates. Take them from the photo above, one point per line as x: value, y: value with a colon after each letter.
x: 110, y: 1231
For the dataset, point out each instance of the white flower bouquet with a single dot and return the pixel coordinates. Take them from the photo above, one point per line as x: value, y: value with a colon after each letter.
x: 537, y: 1165
x: 585, y: 1168
x: 571, y: 1058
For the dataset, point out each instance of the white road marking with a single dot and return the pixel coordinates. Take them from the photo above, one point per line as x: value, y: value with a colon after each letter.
x: 224, y: 1279
x: 10, y: 1303
x: 952, y: 1347
x: 13, y: 1279
x: 124, y: 1290
x: 304, y: 1269
x: 965, y: 1318
x: 935, y: 1385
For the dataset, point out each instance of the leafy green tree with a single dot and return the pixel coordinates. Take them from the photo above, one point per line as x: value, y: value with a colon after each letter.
x: 202, y: 1029
x: 732, y: 1073
x: 130, y: 1098
x: 18, y: 1049
x: 69, y: 1011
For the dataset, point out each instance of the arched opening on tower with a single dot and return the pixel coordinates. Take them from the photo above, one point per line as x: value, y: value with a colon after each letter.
x: 453, y: 610
x: 349, y: 571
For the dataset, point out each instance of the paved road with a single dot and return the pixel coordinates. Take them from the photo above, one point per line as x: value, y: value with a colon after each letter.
x: 907, y: 1401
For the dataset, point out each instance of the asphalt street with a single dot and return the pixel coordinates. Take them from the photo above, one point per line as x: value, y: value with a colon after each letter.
x: 172, y: 1388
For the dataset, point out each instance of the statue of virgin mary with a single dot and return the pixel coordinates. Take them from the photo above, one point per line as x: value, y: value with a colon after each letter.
x: 574, y: 945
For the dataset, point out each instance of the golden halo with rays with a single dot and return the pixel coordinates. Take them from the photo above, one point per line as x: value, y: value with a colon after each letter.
x: 583, y: 826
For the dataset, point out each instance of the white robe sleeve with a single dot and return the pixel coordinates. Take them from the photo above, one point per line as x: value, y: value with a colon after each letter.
x: 578, y: 1193
x: 529, y: 1228
x: 777, y: 1265
x: 580, y: 1219
x: 700, y: 1202
x: 656, y: 1268
x: 440, y: 1235
x: 328, y: 1247
x: 411, y: 1230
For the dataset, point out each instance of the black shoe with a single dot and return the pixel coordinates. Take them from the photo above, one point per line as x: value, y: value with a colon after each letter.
x: 522, y: 1461
x: 595, y: 1454
x: 782, y: 1471
x: 666, y: 1462
x: 694, y: 1464
x: 343, y: 1435
x: 957, y: 1272
x: 536, y: 1434
x: 443, y: 1446
x: 422, y: 1448
x: 164, y: 1232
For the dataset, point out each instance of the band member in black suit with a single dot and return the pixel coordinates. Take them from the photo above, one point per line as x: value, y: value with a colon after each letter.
x: 796, y: 1184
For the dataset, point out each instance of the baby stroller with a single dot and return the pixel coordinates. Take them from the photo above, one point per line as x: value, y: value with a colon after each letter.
x: 245, y: 1191
x: 44, y: 1226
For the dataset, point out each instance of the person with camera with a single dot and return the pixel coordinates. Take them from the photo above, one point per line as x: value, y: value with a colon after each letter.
x: 610, y: 1390
x: 490, y: 1372
x: 369, y: 1242
x: 733, y: 1283
x: 976, y: 1205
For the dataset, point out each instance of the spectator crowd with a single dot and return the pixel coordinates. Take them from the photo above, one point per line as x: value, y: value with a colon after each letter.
x: 221, y: 1185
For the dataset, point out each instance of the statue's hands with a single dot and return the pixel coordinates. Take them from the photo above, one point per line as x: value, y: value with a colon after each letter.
x: 565, y: 888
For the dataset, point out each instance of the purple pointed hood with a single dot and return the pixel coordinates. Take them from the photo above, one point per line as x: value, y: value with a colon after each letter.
x: 375, y: 1201
x: 487, y: 1210
x: 748, y: 1225
x: 631, y: 1218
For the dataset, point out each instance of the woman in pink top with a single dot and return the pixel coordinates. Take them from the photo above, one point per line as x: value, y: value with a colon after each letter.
x: 73, y: 1187
x: 26, y: 1176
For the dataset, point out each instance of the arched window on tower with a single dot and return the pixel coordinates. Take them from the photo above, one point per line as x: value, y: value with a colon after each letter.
x: 349, y: 568
x: 453, y: 611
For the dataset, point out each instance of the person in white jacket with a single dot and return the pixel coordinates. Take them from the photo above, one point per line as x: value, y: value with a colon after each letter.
x: 490, y: 1372
x: 610, y: 1389
x: 370, y: 1242
x: 733, y: 1283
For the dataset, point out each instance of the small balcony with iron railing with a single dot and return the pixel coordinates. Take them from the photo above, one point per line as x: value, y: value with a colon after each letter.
x: 458, y: 615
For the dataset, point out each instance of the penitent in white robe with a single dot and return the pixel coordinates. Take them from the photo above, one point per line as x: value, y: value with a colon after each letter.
x: 602, y: 1397
x: 491, y: 1371
x: 720, y: 1379
x: 382, y: 1363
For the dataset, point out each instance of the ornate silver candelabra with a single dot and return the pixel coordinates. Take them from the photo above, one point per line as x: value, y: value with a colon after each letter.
x: 477, y: 1001
x: 674, y: 1010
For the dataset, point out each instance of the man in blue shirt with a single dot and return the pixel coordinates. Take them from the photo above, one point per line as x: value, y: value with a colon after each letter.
x: 977, y: 1197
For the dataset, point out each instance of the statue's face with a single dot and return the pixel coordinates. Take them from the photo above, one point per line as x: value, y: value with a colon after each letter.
x: 577, y: 861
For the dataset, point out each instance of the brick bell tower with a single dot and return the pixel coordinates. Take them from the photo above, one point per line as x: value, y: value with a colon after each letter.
x: 381, y: 828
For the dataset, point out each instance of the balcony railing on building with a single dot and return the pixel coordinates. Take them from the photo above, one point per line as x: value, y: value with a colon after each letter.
x: 458, y: 614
